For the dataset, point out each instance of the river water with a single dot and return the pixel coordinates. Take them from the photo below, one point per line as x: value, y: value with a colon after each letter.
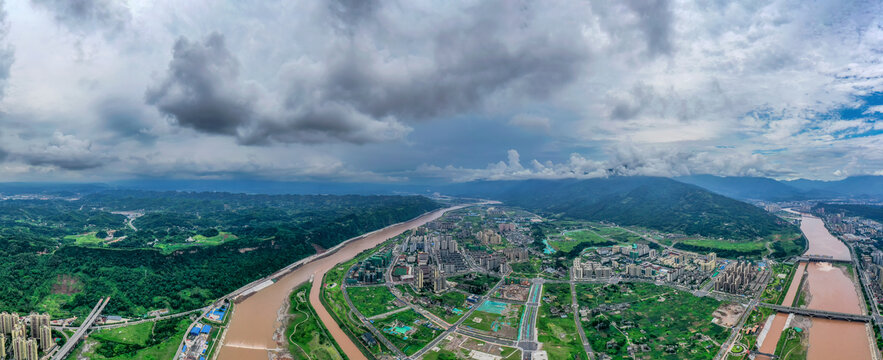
x: 821, y: 242
x: 830, y: 288
x: 250, y: 332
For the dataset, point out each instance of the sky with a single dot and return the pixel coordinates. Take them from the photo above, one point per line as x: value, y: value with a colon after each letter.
x: 439, y: 91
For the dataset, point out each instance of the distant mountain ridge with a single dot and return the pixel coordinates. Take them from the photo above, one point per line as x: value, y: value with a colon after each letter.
x: 759, y: 188
x: 742, y: 188
x: 654, y: 202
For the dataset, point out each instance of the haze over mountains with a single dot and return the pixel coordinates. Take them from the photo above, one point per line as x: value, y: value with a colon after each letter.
x: 742, y: 188
x: 758, y: 188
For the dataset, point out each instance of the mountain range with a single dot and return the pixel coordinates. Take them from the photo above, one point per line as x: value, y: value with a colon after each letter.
x: 703, y: 205
x: 653, y: 202
x: 867, y: 187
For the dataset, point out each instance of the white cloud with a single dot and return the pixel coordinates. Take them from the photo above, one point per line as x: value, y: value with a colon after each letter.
x: 660, y: 82
x: 629, y: 160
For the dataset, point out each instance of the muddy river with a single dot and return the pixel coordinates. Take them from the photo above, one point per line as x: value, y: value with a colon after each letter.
x: 250, y: 333
x: 829, y: 288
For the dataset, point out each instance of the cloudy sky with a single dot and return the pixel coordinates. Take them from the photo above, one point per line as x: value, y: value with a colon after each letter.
x: 361, y: 90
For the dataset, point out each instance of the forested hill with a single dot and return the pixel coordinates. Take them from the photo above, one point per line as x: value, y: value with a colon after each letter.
x: 759, y: 188
x: 873, y: 212
x: 659, y: 203
x: 743, y: 187
x: 42, y: 269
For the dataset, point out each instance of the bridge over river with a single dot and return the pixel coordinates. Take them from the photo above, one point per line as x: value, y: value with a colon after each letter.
x: 817, y: 313
x: 822, y: 258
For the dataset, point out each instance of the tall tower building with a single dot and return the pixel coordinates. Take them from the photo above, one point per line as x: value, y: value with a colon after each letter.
x: 438, y: 282
x: 19, y: 351
x: 46, y: 337
x: 2, y: 346
x: 31, y: 350
x: 36, y: 322
x: 419, y: 278
x: 7, y: 322
x: 18, y: 331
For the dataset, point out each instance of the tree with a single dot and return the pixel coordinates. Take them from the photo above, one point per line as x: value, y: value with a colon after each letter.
x: 101, y: 234
x: 211, y: 232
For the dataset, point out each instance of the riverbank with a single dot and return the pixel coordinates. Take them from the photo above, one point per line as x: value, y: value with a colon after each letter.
x: 250, y: 334
x: 825, y: 287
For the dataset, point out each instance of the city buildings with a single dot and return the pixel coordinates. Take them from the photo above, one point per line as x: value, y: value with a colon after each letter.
x: 583, y: 270
x: 739, y: 278
x: 489, y: 237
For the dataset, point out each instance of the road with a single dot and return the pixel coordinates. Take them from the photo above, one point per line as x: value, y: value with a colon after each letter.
x: 527, y: 335
x: 463, y: 318
x: 205, y: 312
x: 371, y: 327
x: 69, y: 345
x: 579, y: 326
x: 725, y: 348
x: 129, y: 323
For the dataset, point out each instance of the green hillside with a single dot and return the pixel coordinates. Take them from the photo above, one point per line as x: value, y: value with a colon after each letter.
x: 657, y: 203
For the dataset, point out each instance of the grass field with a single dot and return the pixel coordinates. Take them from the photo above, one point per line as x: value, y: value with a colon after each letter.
x: 371, y: 300
x: 673, y: 324
x: 136, y: 334
x: 198, y: 240
x: 618, y: 234
x: 503, y: 325
x: 146, y: 341
x: 85, y: 239
x: 712, y: 244
x: 307, y: 337
x: 574, y: 238
x: 558, y: 334
x: 528, y: 268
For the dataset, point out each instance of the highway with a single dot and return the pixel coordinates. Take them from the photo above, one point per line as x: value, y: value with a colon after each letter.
x: 78, y: 335
x: 527, y: 335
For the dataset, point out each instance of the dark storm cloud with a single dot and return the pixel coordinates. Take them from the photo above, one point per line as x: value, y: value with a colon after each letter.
x: 124, y: 119
x: 470, y: 64
x: 63, y: 162
x: 111, y: 15
x: 656, y: 23
x: 201, y: 89
x: 323, y: 123
x: 358, y: 92
x: 64, y: 152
